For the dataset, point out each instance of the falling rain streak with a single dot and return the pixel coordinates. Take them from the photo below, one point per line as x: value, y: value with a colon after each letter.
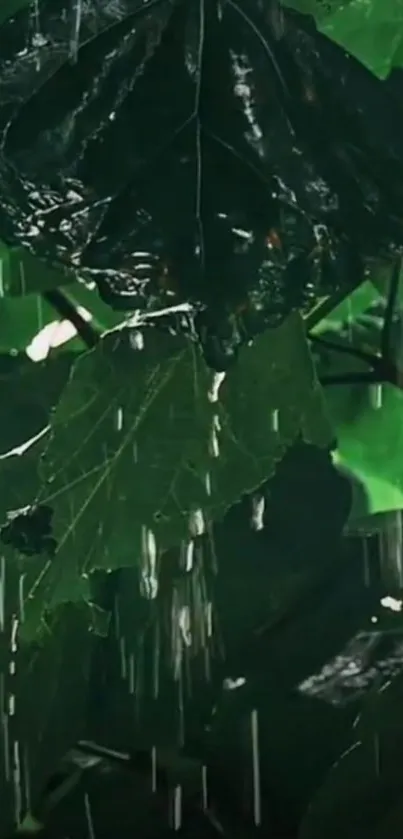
x: 258, y: 507
x: 196, y: 522
x: 376, y: 396
x: 2, y: 590
x: 148, y: 565
x: 390, y: 551
x: 213, y: 393
x: 214, y: 446
x: 136, y: 340
x: 257, y: 817
x: 75, y: 39
x: 119, y: 419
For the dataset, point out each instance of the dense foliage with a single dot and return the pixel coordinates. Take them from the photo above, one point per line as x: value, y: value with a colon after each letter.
x: 168, y: 532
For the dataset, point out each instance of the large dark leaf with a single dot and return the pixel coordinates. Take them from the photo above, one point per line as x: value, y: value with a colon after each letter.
x: 223, y: 153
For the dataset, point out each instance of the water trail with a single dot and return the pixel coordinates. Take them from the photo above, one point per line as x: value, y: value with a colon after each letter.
x: 257, y: 816
x: 75, y: 37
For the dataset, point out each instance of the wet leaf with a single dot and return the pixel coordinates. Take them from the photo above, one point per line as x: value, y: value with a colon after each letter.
x: 28, y: 393
x: 279, y: 192
x: 131, y: 445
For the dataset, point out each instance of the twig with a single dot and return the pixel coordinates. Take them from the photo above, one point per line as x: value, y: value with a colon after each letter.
x: 354, y: 352
x: 66, y: 309
x: 390, y: 308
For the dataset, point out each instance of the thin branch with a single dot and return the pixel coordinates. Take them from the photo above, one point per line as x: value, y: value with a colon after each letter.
x: 351, y: 379
x: 67, y: 310
x: 353, y: 352
x: 386, y: 342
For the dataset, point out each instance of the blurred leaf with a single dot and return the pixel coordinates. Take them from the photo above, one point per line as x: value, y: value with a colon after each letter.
x: 10, y: 7
x: 370, y: 443
x: 130, y: 445
x: 367, y: 419
x: 22, y: 273
x: 371, y: 30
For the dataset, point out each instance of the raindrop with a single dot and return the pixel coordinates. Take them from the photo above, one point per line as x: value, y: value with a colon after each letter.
x: 156, y: 662
x: 27, y: 780
x: 204, y: 787
x: 14, y: 631
x: 119, y: 419
x: 123, y: 663
x: 184, y: 625
x: 154, y: 769
x: 75, y: 40
x: 256, y: 768
x: 131, y: 673
x: 376, y: 396
x: 136, y: 340
x: 196, y: 522
x: 189, y: 556
x: 148, y: 573
x: 218, y: 379
x: 392, y: 603
x: 6, y: 748
x: 233, y: 684
x: 209, y: 619
x: 207, y: 483
x: 367, y: 572
x: 21, y: 597
x: 2, y: 591
x: 17, y: 782
x: 258, y: 505
x: 214, y: 448
x: 275, y: 421
x: 177, y: 808
x: 11, y: 705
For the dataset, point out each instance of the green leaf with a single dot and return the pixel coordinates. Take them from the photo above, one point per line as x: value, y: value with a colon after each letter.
x: 367, y: 419
x: 19, y: 480
x: 130, y: 442
x: 22, y: 273
x: 28, y: 393
x: 371, y: 30
x: 370, y: 443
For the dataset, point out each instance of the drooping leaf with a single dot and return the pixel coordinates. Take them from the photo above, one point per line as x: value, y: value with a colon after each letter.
x: 367, y: 417
x: 239, y: 187
x: 133, y: 441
